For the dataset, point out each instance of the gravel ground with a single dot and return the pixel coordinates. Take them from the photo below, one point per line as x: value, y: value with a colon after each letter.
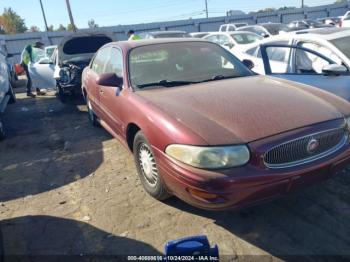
x: 69, y: 188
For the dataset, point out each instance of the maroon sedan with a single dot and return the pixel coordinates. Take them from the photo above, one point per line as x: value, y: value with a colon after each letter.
x: 204, y: 128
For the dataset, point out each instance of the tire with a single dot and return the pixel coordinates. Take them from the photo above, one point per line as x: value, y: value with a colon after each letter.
x: 61, y: 95
x: 2, y: 131
x: 92, y: 116
x: 12, y: 95
x: 147, y: 168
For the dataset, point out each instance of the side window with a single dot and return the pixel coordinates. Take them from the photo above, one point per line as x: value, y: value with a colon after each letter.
x: 223, y: 28
x: 309, y: 63
x: 231, y: 28
x: 223, y: 39
x: 252, y: 51
x: 277, y: 54
x: 100, y: 60
x: 115, y: 62
x: 213, y: 38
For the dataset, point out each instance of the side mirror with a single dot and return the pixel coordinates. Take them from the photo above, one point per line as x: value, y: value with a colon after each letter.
x: 109, y: 79
x: 335, y: 70
x: 248, y: 63
x: 45, y: 61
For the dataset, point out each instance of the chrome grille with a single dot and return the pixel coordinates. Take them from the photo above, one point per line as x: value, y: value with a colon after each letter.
x: 297, y: 151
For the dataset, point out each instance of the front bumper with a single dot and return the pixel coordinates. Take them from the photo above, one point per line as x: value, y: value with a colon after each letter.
x: 247, y: 185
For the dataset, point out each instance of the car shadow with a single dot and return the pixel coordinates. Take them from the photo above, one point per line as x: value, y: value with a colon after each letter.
x: 48, y: 145
x: 46, y: 238
x: 313, y: 222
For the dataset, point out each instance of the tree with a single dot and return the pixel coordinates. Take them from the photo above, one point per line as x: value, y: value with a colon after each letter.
x: 50, y: 28
x: 70, y: 27
x: 92, y: 24
x: 341, y: 1
x: 61, y: 28
x: 269, y: 9
x: 286, y: 8
x: 34, y: 28
x: 11, y: 22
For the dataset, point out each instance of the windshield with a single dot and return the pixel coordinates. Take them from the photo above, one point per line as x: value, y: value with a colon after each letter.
x: 343, y: 45
x: 246, y: 38
x: 182, y: 62
x: 274, y: 29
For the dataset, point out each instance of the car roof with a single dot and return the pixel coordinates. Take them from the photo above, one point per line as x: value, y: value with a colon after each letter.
x: 328, y: 33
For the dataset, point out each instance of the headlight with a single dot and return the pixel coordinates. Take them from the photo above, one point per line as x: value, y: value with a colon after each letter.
x: 65, y: 77
x: 210, y: 157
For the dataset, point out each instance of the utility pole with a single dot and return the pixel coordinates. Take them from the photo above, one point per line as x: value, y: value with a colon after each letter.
x: 42, y: 10
x: 206, y: 8
x: 71, y: 16
x: 302, y: 4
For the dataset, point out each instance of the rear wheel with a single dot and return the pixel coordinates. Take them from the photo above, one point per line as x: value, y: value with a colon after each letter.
x: 2, y: 131
x: 92, y: 117
x: 147, y: 168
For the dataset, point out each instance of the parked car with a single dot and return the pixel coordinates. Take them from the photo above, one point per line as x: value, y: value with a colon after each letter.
x: 231, y: 27
x: 203, y: 127
x: 63, y: 70
x: 199, y: 34
x: 306, y: 24
x: 233, y: 41
x: 345, y: 21
x: 164, y: 34
x: 266, y: 30
x: 7, y: 95
x: 308, y: 58
x: 335, y: 21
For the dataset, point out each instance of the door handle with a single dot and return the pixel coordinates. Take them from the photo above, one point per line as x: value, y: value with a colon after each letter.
x: 101, y: 91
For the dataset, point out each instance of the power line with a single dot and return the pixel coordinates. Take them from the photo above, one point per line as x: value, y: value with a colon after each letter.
x: 42, y: 10
x: 71, y: 16
x: 206, y: 8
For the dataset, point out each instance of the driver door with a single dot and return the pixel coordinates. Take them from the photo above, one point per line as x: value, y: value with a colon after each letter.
x: 307, y: 66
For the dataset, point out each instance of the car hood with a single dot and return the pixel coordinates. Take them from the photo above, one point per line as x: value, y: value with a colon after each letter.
x: 246, y: 109
x: 81, y: 46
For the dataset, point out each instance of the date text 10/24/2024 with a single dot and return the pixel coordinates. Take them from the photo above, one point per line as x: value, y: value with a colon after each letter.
x: 172, y: 258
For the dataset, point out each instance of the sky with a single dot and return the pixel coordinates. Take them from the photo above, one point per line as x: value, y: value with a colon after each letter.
x: 122, y: 12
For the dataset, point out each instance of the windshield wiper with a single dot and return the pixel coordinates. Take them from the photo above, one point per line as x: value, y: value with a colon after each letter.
x: 218, y: 77
x: 167, y: 83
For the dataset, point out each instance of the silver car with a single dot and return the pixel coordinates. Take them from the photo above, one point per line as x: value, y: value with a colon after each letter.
x: 7, y: 94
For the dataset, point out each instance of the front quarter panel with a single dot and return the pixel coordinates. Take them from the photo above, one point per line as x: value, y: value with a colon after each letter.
x: 160, y: 129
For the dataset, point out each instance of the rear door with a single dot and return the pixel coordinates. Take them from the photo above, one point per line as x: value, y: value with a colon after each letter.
x: 306, y: 66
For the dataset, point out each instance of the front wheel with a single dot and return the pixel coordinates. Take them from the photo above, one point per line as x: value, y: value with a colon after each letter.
x: 61, y: 95
x: 92, y: 117
x: 147, y: 168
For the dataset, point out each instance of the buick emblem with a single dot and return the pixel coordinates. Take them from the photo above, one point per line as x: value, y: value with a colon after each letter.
x: 312, y: 146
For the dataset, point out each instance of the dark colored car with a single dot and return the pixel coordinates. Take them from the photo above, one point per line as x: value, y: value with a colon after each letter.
x: 203, y: 127
x: 306, y: 24
x: 165, y: 34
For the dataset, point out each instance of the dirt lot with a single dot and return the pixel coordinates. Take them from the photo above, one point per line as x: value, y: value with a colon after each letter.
x: 69, y: 188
